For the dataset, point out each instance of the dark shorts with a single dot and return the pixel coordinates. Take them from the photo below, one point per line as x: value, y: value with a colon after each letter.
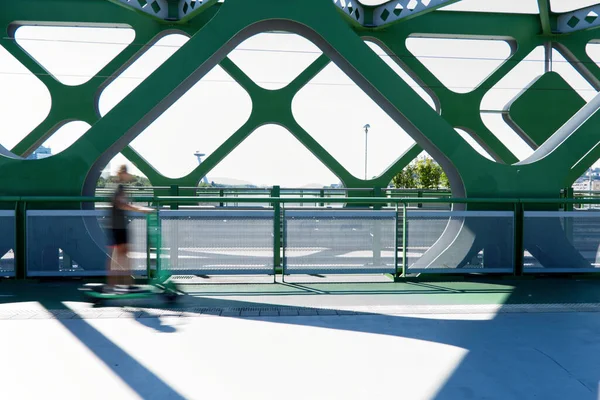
x: 118, y: 237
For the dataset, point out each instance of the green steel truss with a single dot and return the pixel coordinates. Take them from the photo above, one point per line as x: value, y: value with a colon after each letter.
x: 566, y: 147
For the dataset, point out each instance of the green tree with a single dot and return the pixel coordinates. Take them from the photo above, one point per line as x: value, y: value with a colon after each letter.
x: 407, y: 178
x: 429, y: 173
x: 112, y: 180
x: 423, y: 173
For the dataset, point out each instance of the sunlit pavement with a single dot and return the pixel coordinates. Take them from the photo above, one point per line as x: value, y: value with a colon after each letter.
x: 351, y: 341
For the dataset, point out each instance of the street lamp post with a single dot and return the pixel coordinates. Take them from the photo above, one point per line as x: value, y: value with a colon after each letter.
x: 366, y: 128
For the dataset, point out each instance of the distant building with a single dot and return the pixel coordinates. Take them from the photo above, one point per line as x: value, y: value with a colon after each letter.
x: 41, y: 152
x: 199, y: 157
x: 584, y: 185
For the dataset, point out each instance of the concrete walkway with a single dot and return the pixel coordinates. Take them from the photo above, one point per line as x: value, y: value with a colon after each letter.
x: 462, y: 340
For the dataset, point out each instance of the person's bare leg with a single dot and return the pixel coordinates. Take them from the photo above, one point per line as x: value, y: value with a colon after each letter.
x: 121, y: 269
x: 125, y: 265
x: 112, y: 278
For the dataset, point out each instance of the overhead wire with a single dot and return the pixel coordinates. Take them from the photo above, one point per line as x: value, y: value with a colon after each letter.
x: 311, y: 52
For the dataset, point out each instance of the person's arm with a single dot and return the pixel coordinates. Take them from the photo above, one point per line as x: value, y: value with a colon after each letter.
x: 124, y: 205
x: 131, y: 207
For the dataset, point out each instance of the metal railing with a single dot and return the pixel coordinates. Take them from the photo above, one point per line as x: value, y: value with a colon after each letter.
x: 367, y: 235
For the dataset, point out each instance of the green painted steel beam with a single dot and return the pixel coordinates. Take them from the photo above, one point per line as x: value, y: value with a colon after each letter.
x: 544, y: 6
x: 219, y: 30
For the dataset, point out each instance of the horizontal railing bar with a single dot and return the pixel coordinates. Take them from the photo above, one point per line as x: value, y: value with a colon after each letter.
x: 349, y: 200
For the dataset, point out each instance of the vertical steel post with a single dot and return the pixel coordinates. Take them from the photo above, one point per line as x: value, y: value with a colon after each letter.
x: 519, y: 233
x: 396, y: 243
x: 276, y: 192
x: 174, y: 192
x: 283, y: 244
x: 149, y: 241
x: 548, y: 56
x: 404, y: 240
x: 21, y: 240
x: 158, y: 243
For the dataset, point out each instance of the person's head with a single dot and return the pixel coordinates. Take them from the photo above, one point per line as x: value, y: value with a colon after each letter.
x: 123, y: 175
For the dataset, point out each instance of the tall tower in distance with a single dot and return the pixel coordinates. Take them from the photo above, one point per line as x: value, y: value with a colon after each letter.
x: 199, y: 156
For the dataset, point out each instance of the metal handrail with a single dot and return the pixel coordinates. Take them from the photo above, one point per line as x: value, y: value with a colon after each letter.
x: 349, y: 200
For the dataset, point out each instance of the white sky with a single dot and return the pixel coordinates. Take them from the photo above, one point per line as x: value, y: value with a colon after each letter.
x: 331, y: 108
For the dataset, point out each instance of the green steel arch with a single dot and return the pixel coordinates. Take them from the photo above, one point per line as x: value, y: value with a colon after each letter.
x: 565, y: 146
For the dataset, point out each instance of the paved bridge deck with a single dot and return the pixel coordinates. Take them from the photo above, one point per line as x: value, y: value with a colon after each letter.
x: 498, y: 339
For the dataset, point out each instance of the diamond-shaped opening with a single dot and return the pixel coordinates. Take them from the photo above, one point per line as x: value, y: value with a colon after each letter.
x: 394, y: 63
x: 520, y: 77
x: 185, y: 8
x: 198, y: 121
x: 73, y: 55
x: 251, y: 163
x: 573, y: 21
x: 460, y: 64
x: 333, y: 110
x: 425, y: 2
x: 273, y: 60
x: 142, y: 3
x: 591, y: 17
x: 515, y: 83
x: 577, y: 82
x: 560, y: 6
x: 502, y: 94
x: 60, y: 140
x: 139, y: 70
x: 398, y: 10
x: 155, y: 7
x: 593, y: 51
x: 350, y: 8
x: 26, y: 101
x: 469, y: 138
x: 515, y: 143
x: 357, y: 14
x: 412, y: 4
x: 385, y: 14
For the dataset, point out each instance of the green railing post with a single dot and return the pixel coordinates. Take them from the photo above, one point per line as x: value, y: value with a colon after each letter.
x: 396, y: 244
x: 158, y: 243
x: 174, y: 192
x: 221, y: 195
x: 283, y: 244
x: 21, y: 240
x: 569, y: 193
x: 322, y: 195
x: 519, y: 234
x: 276, y: 193
x: 404, y: 240
x: 149, y: 243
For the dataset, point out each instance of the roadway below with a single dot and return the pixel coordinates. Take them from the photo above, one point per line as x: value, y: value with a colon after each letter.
x: 306, y: 339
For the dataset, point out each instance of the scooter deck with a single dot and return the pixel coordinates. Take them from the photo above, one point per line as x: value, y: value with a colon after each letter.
x: 146, y: 291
